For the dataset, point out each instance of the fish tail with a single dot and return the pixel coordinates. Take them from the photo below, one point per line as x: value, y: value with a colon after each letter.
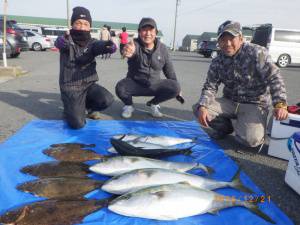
x: 188, y: 151
x: 209, y: 170
x: 237, y: 183
x: 253, y: 207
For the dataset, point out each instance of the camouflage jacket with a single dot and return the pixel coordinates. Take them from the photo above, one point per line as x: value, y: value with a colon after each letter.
x: 249, y: 76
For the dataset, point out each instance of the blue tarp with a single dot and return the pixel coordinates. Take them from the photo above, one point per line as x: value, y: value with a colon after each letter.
x: 25, y: 148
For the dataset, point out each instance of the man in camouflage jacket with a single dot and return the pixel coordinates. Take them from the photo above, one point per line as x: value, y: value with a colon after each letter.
x: 251, y: 80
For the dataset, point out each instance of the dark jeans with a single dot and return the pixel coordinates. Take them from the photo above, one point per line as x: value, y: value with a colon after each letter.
x: 162, y: 90
x: 93, y: 98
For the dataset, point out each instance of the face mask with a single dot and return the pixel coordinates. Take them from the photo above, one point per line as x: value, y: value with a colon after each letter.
x: 80, y: 37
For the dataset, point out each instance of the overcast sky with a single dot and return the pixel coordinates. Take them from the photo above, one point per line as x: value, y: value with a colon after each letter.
x: 194, y: 16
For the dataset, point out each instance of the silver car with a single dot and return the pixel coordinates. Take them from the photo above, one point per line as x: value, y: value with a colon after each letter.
x: 38, y: 42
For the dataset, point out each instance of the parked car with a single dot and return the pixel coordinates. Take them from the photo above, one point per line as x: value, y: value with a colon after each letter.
x: 208, y: 49
x: 13, y: 29
x: 13, y: 49
x: 38, y: 42
x: 283, y: 44
x: 8, y: 48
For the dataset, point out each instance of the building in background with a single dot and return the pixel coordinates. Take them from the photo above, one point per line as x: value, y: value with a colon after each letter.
x: 53, y: 27
x: 189, y: 43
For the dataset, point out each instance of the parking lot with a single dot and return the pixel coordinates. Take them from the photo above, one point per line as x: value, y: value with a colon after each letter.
x: 36, y: 96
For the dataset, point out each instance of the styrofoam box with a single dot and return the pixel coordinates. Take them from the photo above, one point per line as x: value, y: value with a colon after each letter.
x: 281, y: 131
x: 292, y: 175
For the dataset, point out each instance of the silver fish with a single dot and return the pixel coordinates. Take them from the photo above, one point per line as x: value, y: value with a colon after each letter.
x: 121, y: 164
x: 175, y: 201
x: 142, y: 178
x: 143, y: 145
x: 154, y: 139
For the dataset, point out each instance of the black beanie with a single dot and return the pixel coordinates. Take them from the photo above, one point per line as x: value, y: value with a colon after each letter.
x: 81, y: 13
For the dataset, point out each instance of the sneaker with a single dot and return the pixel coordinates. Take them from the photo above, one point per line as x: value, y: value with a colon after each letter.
x: 127, y: 111
x: 155, y: 111
x: 94, y: 115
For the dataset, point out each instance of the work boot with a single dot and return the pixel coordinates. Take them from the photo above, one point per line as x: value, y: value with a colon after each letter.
x: 94, y: 115
x: 127, y: 111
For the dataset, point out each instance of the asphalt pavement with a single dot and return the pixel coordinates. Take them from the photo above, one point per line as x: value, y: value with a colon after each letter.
x: 36, y: 96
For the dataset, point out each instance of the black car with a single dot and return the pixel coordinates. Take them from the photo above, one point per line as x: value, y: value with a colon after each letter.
x: 208, y: 49
x: 14, y: 30
x: 12, y: 46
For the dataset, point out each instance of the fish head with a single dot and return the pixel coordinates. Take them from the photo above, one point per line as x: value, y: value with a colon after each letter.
x: 124, y: 203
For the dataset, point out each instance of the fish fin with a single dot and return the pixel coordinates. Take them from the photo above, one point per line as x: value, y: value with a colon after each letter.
x: 253, y: 207
x: 22, y: 215
x: 122, y: 137
x: 237, y: 183
x: 214, y: 212
x: 209, y: 170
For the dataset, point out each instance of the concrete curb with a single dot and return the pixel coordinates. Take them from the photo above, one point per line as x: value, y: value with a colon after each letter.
x: 11, y: 71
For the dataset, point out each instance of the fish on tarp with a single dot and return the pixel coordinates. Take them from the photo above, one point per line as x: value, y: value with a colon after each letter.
x: 57, y: 169
x: 52, y: 212
x: 123, y: 148
x: 121, y: 164
x: 143, y: 178
x: 175, y: 201
x: 60, y: 187
x: 72, y: 145
x: 72, y: 154
x: 144, y: 146
x: 154, y: 139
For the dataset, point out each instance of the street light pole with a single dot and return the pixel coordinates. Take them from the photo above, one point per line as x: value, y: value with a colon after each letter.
x: 174, y: 36
x: 68, y: 15
x: 4, y: 33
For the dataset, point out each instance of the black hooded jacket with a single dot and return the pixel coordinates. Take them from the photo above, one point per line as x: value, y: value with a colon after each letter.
x: 145, y: 66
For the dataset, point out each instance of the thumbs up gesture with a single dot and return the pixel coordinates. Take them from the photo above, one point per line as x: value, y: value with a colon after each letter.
x: 129, y: 49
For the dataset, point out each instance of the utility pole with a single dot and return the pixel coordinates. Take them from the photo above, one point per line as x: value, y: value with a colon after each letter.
x: 68, y: 15
x: 174, y: 36
x: 4, y: 33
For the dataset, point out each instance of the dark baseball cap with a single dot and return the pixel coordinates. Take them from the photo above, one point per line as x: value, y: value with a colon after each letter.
x: 232, y: 27
x: 146, y: 21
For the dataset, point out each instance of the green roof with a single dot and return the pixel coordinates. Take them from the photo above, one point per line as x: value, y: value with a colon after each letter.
x: 192, y: 36
x: 63, y: 22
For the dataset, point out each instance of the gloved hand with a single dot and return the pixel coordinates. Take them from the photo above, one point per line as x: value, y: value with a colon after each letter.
x: 111, y: 47
x: 103, y: 47
x: 61, y: 42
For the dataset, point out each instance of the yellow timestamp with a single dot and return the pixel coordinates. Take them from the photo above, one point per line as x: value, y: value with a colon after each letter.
x: 247, y: 198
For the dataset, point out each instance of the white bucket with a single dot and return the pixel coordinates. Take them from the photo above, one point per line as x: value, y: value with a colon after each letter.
x: 292, y: 176
x: 281, y: 131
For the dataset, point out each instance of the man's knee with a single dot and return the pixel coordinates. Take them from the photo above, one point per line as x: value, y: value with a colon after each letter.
x: 120, y: 89
x: 108, y: 100
x: 75, y: 122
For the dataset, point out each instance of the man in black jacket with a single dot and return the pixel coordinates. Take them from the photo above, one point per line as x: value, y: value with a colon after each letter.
x: 147, y: 57
x: 78, y: 75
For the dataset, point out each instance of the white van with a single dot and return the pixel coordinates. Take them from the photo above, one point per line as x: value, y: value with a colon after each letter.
x: 53, y: 32
x: 283, y: 44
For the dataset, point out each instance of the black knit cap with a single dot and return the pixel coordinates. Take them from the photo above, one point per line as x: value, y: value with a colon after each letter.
x: 81, y: 13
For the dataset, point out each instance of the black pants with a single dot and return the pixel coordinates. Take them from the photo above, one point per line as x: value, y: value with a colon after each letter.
x: 162, y: 90
x: 92, y: 98
x: 121, y: 48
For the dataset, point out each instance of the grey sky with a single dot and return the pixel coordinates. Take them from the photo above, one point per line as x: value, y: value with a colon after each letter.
x: 195, y: 16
